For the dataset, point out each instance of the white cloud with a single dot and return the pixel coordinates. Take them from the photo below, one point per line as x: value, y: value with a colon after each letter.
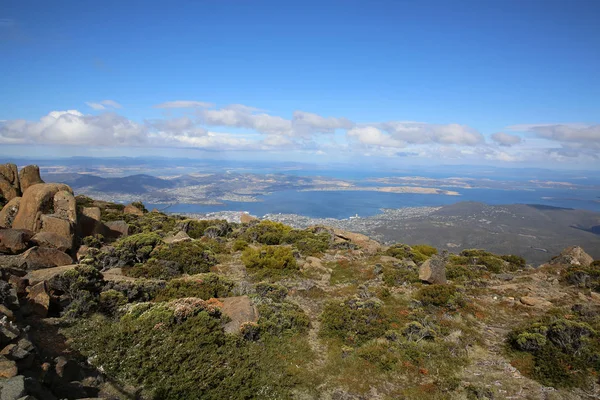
x: 506, y: 139
x: 306, y: 124
x: 371, y: 136
x: 576, y: 139
x: 183, y: 104
x: 71, y: 127
x: 420, y: 132
x: 103, y: 105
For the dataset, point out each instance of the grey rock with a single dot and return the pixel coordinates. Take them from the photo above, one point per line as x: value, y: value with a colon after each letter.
x: 12, y: 388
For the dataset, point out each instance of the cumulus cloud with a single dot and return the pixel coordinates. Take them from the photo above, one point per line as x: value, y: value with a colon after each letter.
x: 371, y: 136
x: 71, y: 127
x: 306, y: 124
x: 421, y: 133
x: 506, y: 139
x: 183, y: 104
x: 570, y: 135
x: 103, y: 105
x: 241, y: 116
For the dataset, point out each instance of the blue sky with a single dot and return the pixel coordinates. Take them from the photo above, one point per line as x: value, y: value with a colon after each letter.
x: 483, y: 82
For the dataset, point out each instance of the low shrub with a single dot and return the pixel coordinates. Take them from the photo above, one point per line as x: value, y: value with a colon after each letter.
x: 204, y: 286
x: 271, y: 291
x: 584, y: 277
x: 136, y: 248
x: 178, y: 350
x: 269, y: 261
x: 94, y: 241
x: 282, y: 318
x: 566, y: 353
x: 354, y: 321
x: 239, y: 245
x: 266, y: 232
x: 191, y: 257
x: 439, y: 296
x: 110, y: 301
x: 400, y: 275
x: 425, y: 249
x: 403, y: 251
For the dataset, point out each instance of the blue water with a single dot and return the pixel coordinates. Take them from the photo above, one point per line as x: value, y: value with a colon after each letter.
x: 343, y: 204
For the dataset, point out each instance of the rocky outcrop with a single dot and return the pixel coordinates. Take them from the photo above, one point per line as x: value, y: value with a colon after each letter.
x: 90, y: 222
x: 117, y: 228
x: 9, y: 181
x: 178, y: 237
x: 29, y: 176
x: 133, y: 210
x: 52, y: 240
x: 38, y: 200
x: 14, y: 241
x: 573, y: 255
x: 364, y: 242
x: 433, y: 270
x: 40, y: 275
x: 39, y: 299
x: 42, y: 257
x: 9, y: 212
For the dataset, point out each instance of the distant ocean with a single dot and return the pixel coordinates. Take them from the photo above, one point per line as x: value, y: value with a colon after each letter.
x: 343, y: 204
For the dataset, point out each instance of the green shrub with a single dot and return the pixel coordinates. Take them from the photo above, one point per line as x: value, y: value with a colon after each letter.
x: 110, y: 301
x: 282, y: 318
x: 439, y: 296
x: 425, y: 249
x: 218, y: 228
x: 81, y: 286
x: 516, y: 261
x: 400, y: 275
x: 271, y: 291
x: 354, y: 321
x: 191, y: 257
x: 179, y: 351
x: 94, y: 241
x: 269, y: 260
x: 240, y: 245
x: 154, y: 269
x: 403, y: 251
x: 204, y: 286
x: 584, y: 277
x: 136, y: 248
x: 266, y: 232
x: 307, y: 242
x: 566, y: 353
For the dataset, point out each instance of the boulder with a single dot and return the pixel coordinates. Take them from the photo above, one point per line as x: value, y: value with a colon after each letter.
x: 52, y: 240
x: 535, y: 301
x: 90, y: 221
x: 11, y: 174
x: 53, y: 224
x: 240, y: 310
x: 36, y: 201
x: 43, y: 257
x: 39, y: 299
x: 573, y: 255
x: 133, y: 210
x: 14, y: 241
x: 7, y: 190
x: 40, y: 275
x: 247, y: 218
x: 9, y: 212
x: 29, y: 176
x: 178, y: 237
x: 12, y: 388
x: 68, y: 370
x: 366, y: 243
x: 117, y: 229
x: 65, y: 206
x: 8, y: 368
x: 433, y: 270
